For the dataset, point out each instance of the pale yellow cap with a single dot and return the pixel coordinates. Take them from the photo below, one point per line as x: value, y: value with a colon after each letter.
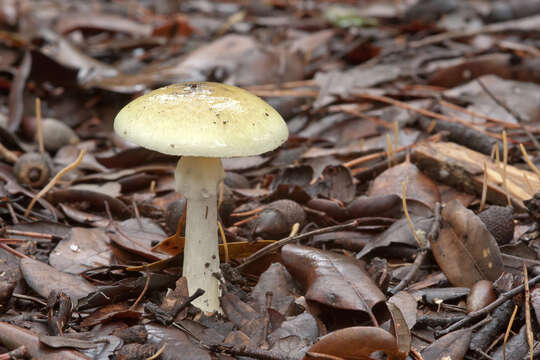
x: 202, y: 119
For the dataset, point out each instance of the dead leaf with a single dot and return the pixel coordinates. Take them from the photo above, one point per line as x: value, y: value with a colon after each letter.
x: 356, y: 343
x: 453, y: 346
x: 465, y: 250
x: 83, y: 250
x: 420, y: 189
x: 109, y: 313
x: 43, y: 279
x: 13, y: 336
x: 278, y: 281
x: 334, y: 280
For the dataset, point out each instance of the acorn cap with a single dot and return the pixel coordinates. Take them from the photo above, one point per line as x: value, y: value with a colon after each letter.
x: 202, y: 119
x: 500, y: 222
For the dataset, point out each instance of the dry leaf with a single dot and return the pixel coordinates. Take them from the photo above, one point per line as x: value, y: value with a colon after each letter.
x: 465, y: 250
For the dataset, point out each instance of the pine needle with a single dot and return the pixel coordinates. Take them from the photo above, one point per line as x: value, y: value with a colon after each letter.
x: 528, y: 160
x: 54, y: 180
x: 409, y: 220
x: 39, y: 128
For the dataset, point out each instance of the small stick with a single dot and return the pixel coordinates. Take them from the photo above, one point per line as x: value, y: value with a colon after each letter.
x: 484, y: 187
x: 13, y: 251
x: 39, y: 128
x: 507, y: 333
x: 502, y: 298
x: 54, y: 180
x: 422, y: 111
x: 31, y: 298
x: 30, y: 234
x: 144, y: 290
x: 280, y: 243
x: 527, y: 300
x: 421, y: 256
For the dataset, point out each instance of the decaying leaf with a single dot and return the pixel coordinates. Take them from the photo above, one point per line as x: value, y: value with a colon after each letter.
x: 465, y: 250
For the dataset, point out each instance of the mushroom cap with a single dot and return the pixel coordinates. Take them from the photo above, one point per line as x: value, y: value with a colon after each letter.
x: 202, y: 119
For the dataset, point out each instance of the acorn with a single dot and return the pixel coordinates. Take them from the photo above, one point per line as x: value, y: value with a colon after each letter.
x: 482, y: 294
x: 56, y: 134
x: 500, y: 222
x: 277, y: 218
x: 33, y: 169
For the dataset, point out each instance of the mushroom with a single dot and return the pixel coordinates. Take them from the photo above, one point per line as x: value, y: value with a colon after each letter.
x: 203, y: 122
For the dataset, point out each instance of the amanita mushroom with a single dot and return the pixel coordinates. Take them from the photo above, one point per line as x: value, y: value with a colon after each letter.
x: 203, y: 122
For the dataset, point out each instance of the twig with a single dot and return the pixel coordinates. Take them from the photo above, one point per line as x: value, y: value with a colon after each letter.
x: 530, y: 337
x: 511, y: 111
x: 13, y: 251
x: 244, y: 351
x: 422, y: 254
x: 278, y: 244
x: 28, y: 297
x: 473, y: 315
x: 54, y: 180
x: 144, y: 290
x: 525, y: 23
x: 422, y: 111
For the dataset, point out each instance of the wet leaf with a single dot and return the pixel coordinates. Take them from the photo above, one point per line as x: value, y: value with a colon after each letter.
x: 82, y: 250
x: 334, y: 280
x: 465, y: 250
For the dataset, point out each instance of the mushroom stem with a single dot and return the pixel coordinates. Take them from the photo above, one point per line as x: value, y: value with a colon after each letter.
x: 198, y: 178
